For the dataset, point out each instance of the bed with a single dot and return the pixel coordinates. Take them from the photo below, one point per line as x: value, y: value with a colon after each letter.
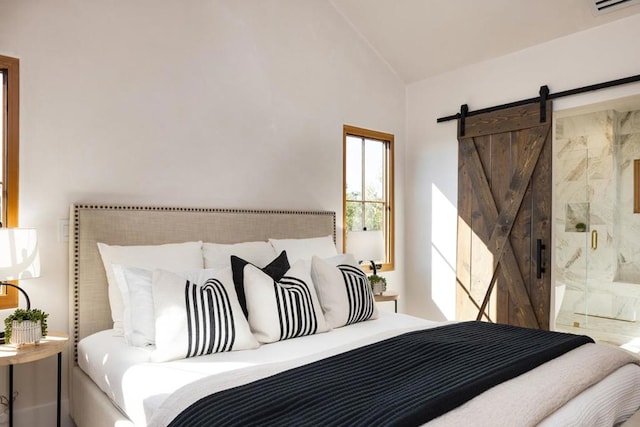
x: 114, y: 383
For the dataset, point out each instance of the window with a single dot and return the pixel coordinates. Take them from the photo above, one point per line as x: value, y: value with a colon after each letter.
x: 9, y: 97
x: 368, y: 188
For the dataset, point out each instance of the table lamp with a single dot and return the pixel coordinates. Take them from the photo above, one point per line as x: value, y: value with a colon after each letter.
x: 367, y: 245
x: 19, y: 258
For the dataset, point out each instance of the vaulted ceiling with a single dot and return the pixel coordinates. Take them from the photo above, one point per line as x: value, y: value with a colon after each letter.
x: 423, y: 38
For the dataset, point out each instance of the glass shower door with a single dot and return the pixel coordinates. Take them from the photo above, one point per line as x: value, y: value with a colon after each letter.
x: 597, y: 254
x: 573, y: 228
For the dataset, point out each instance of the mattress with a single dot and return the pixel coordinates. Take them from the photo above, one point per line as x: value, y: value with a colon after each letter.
x: 140, y: 388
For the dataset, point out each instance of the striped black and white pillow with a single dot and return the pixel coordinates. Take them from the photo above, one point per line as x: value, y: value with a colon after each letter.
x: 284, y: 309
x: 275, y: 269
x: 198, y: 315
x: 343, y: 290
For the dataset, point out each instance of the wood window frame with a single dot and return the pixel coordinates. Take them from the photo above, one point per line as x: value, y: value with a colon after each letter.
x: 10, y: 156
x: 636, y: 186
x: 388, y: 138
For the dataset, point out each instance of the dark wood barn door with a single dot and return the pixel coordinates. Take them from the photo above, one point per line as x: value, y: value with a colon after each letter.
x: 504, y: 217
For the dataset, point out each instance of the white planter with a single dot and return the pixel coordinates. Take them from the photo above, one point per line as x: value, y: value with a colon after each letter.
x: 378, y: 288
x: 25, y: 332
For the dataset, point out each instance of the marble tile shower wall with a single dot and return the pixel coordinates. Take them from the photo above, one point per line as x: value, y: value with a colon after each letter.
x: 627, y: 223
x: 593, y: 158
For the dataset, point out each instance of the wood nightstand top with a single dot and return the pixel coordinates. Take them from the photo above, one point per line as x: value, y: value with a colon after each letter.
x: 387, y: 296
x: 53, y: 343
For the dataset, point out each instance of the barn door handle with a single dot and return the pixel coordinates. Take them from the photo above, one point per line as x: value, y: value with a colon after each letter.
x: 540, y: 267
x: 594, y: 239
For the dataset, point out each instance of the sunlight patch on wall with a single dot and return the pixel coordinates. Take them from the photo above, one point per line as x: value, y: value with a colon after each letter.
x: 443, y: 254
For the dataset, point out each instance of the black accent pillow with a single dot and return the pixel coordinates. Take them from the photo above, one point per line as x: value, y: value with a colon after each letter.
x: 276, y: 269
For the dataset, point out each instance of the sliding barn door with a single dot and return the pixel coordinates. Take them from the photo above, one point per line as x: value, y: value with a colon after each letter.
x: 504, y: 217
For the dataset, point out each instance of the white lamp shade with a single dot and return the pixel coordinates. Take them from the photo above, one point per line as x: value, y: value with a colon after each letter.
x: 366, y: 245
x: 19, y: 258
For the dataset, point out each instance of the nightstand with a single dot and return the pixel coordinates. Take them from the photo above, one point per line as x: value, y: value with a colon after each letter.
x: 53, y: 343
x: 388, y: 296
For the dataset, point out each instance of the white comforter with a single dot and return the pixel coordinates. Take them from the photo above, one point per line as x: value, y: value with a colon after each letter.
x: 529, y: 399
x: 140, y: 387
x: 154, y: 393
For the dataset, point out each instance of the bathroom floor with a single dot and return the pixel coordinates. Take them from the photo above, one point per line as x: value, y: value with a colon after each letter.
x: 622, y: 334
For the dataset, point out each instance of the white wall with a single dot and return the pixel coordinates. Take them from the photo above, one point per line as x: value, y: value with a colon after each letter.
x: 600, y: 54
x: 187, y: 103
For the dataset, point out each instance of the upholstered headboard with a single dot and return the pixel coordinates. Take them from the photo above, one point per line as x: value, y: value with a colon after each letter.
x: 133, y: 225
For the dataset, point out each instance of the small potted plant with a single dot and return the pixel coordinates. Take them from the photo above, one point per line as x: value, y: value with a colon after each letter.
x: 581, y: 227
x: 25, y: 326
x: 378, y: 284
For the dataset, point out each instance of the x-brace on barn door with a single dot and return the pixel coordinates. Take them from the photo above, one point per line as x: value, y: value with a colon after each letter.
x: 504, y: 211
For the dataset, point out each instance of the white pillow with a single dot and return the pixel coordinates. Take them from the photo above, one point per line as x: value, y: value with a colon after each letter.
x: 172, y: 257
x: 135, y: 284
x: 298, y: 249
x: 218, y: 255
x: 198, y: 318
x: 285, y: 309
x: 138, y: 321
x: 343, y: 290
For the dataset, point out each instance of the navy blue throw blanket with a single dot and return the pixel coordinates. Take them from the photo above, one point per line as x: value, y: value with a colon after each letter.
x: 402, y: 381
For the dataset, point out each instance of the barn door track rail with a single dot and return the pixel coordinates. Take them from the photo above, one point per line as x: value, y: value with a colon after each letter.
x: 544, y: 95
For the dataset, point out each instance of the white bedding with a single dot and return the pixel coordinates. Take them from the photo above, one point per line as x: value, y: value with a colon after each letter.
x: 140, y: 388
x: 575, y: 389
